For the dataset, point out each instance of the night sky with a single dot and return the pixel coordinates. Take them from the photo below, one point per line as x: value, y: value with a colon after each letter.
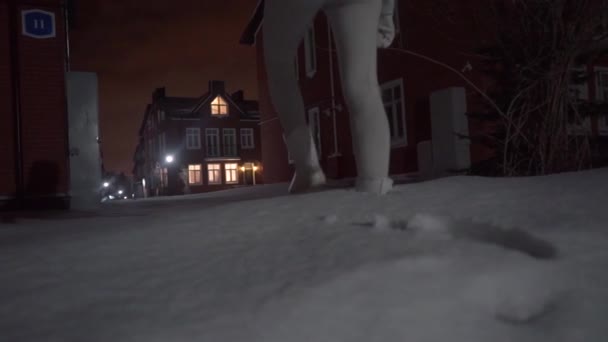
x: 134, y: 48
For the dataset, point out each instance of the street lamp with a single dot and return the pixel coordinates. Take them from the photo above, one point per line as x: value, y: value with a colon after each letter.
x: 106, y: 184
x: 169, y: 159
x: 120, y: 192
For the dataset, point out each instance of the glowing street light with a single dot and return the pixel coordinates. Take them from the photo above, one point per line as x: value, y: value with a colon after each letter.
x: 120, y: 192
x: 169, y: 159
x: 106, y: 184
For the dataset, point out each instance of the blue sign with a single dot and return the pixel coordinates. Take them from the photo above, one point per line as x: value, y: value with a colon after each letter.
x: 38, y: 23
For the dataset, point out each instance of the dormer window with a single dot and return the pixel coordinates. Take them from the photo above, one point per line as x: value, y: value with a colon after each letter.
x: 219, y: 106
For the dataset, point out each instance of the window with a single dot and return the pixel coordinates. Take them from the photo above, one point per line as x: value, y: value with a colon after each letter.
x: 213, y: 174
x: 195, y: 174
x: 231, y: 173
x: 229, y: 141
x: 212, y: 140
x: 193, y: 138
x: 392, y: 97
x: 219, y: 106
x: 310, y: 52
x: 247, y: 138
x: 602, y: 95
x: 315, y: 128
x: 160, y: 115
x: 579, y: 91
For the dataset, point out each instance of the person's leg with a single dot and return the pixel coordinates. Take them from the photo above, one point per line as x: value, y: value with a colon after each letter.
x: 355, y: 27
x: 285, y: 23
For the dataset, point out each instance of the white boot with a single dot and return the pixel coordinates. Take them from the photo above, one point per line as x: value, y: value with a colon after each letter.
x: 379, y: 186
x: 308, y: 173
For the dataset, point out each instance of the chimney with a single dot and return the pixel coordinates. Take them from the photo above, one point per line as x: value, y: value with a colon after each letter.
x: 158, y: 93
x: 238, y: 96
x: 216, y: 87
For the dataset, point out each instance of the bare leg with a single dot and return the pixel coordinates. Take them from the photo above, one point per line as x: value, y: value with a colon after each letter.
x: 285, y: 23
x: 355, y: 27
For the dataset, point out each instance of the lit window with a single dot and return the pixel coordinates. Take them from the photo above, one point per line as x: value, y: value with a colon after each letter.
x: 247, y: 141
x: 231, y: 173
x: 194, y: 174
x: 212, y: 140
x: 229, y: 140
x: 219, y: 106
x: 213, y: 174
x: 310, y: 52
x: 392, y: 97
x: 193, y: 138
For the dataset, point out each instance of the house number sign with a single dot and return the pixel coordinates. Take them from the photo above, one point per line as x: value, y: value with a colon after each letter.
x: 38, y: 23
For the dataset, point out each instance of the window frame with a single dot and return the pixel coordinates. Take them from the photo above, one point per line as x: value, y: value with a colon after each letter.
x: 396, y: 140
x: 233, y: 144
x: 197, y: 136
x: 229, y: 173
x: 582, y: 92
x: 221, y: 104
x: 192, y: 170
x: 212, y: 133
x: 217, y: 172
x: 245, y: 144
x: 601, y: 95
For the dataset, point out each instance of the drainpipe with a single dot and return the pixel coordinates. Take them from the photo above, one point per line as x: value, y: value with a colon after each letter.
x: 333, y: 92
x: 16, y: 101
x: 66, y: 23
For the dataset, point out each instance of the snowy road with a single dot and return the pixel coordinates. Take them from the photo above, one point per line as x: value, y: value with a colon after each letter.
x: 250, y: 265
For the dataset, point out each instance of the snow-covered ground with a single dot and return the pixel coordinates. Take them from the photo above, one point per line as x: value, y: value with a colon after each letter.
x: 456, y: 259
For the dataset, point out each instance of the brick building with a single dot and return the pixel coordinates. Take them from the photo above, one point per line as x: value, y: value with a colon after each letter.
x: 414, y: 90
x: 190, y: 145
x: 33, y: 110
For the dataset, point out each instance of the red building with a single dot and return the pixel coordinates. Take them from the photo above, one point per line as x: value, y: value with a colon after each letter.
x: 190, y: 145
x: 33, y: 110
x: 408, y: 81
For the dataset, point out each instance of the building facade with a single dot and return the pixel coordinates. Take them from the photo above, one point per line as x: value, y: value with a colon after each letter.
x: 34, y: 168
x: 192, y: 145
x: 422, y: 61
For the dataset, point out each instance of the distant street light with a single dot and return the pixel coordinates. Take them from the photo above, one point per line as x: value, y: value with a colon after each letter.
x: 120, y: 192
x: 106, y: 184
x: 169, y: 159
